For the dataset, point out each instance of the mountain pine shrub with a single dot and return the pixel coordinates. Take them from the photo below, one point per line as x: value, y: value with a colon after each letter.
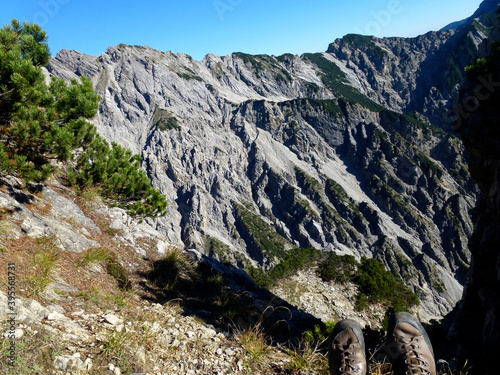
x: 375, y: 283
x: 338, y: 268
x: 41, y: 123
x: 294, y: 260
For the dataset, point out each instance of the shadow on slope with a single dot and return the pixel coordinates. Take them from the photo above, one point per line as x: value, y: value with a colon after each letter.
x: 224, y: 296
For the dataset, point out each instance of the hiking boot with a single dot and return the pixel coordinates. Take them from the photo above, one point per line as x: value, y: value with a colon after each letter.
x: 346, y: 349
x: 409, y: 346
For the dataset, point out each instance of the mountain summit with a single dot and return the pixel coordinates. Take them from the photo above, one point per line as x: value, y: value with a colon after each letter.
x: 486, y: 8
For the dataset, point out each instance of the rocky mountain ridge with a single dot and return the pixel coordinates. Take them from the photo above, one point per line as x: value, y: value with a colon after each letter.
x: 259, y: 154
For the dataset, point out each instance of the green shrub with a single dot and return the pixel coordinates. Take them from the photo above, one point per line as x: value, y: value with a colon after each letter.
x: 380, y: 285
x: 43, y: 122
x: 375, y: 283
x: 117, y: 173
x: 259, y: 277
x: 338, y: 268
x: 296, y: 259
x: 165, y: 120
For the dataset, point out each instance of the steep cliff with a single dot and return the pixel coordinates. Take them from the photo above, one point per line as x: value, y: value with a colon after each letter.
x: 477, y: 327
x: 259, y: 154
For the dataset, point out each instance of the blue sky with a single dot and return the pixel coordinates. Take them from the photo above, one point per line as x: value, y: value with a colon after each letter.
x: 197, y: 27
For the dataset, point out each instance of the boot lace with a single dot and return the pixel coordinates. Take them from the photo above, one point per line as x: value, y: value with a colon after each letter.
x: 416, y: 364
x: 347, y: 362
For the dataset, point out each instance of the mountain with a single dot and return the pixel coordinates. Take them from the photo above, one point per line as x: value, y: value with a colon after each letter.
x: 485, y: 11
x: 349, y: 150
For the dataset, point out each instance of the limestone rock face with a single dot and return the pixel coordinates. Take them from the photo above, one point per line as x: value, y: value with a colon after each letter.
x: 259, y: 154
x: 64, y: 220
x: 419, y: 74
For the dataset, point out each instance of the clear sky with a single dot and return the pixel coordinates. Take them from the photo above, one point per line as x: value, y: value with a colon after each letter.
x: 198, y: 27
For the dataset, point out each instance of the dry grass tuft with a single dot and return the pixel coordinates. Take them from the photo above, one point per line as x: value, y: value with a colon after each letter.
x: 45, y: 262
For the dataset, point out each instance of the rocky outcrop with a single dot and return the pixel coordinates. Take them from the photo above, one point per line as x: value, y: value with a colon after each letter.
x: 40, y: 211
x: 477, y: 325
x: 62, y: 217
x: 178, y: 345
x: 259, y: 154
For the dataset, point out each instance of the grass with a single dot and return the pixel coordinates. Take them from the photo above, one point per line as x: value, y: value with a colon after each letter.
x: 91, y: 195
x: 104, y: 300
x: 380, y: 368
x: 175, y: 266
x: 110, y: 261
x: 307, y: 359
x: 230, y: 305
x: 35, y: 354
x: 119, y: 273
x: 44, y: 264
x: 3, y: 233
x: 118, y: 349
x: 255, y: 343
x: 97, y: 254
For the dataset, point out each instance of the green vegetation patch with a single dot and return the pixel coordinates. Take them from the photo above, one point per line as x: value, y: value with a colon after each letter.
x: 112, y: 264
x: 294, y: 260
x: 285, y: 57
x: 394, y: 200
x: 428, y: 164
x: 375, y: 283
x: 270, y: 242
x: 215, y: 246
x: 380, y: 285
x: 364, y: 42
x: 338, y: 268
x: 189, y: 75
x: 334, y: 189
x: 410, y: 118
x: 328, y: 105
x: 261, y: 63
x: 312, y: 185
x: 335, y: 80
x: 165, y: 120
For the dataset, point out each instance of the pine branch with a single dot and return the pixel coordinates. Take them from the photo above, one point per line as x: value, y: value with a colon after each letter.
x: 7, y: 92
